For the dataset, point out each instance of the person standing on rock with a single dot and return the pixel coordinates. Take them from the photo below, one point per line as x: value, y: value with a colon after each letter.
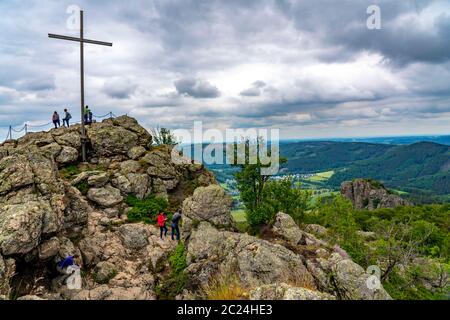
x: 175, y: 228
x: 162, y: 224
x: 55, y: 119
x: 87, y: 115
x: 67, y: 117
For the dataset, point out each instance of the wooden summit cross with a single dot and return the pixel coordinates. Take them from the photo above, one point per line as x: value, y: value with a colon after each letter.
x: 82, y: 41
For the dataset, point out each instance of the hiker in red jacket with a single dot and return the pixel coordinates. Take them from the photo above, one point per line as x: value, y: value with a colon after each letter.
x: 162, y: 224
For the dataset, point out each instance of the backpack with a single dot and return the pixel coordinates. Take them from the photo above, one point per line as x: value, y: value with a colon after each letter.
x: 176, y: 217
x: 68, y: 116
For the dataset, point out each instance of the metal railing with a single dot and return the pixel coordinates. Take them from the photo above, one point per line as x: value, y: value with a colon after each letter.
x: 16, y: 131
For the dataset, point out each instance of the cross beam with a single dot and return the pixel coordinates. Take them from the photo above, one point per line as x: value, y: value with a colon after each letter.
x: 82, y: 41
x: 57, y: 36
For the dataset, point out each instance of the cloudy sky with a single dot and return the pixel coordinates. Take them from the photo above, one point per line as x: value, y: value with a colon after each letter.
x: 310, y: 68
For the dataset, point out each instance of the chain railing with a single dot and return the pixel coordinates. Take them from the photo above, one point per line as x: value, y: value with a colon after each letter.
x: 15, y: 132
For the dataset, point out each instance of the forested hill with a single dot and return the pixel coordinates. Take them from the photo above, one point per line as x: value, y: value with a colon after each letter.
x: 419, y: 166
x: 316, y: 156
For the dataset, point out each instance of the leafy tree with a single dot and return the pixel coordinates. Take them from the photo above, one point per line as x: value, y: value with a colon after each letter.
x: 163, y: 136
x: 282, y: 196
x: 338, y: 215
x: 261, y: 197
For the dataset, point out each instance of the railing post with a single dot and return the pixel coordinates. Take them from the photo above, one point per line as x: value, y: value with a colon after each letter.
x: 26, y: 128
x: 10, y: 133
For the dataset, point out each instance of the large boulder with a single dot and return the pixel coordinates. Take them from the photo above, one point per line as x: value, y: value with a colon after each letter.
x: 15, y: 173
x: 105, y: 197
x: 51, y: 150
x: 104, y: 272
x: 130, y: 124
x: 256, y: 262
x: 21, y: 226
x: 130, y: 166
x: 286, y: 228
x: 98, y: 180
x: 76, y: 209
x: 67, y: 155
x: 49, y: 248
x: 369, y: 194
x: 160, y: 165
x: 136, y: 152
x: 211, y: 204
x: 345, y: 278
x: 38, y: 139
x: 70, y: 138
x: 108, y: 140
x: 134, y: 237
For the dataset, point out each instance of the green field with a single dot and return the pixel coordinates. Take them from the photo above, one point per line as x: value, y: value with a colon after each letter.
x: 321, y: 176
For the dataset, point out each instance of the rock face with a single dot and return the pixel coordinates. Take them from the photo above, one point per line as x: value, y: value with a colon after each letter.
x: 285, y: 227
x: 366, y: 194
x: 210, y: 204
x: 52, y: 206
x: 105, y: 197
x: 257, y: 262
x: 294, y: 265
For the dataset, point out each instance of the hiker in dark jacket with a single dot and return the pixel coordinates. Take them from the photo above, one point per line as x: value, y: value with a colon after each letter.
x: 175, y: 228
x: 55, y: 119
x: 67, y: 117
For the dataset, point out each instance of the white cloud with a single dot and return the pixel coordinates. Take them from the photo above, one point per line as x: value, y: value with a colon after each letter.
x: 308, y: 66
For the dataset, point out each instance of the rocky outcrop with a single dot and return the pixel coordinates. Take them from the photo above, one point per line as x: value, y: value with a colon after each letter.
x: 209, y: 204
x: 52, y: 206
x: 368, y: 194
x: 257, y: 262
x: 292, y: 265
x: 286, y: 228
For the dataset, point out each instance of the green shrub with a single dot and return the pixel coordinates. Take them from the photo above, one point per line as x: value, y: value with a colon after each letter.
x: 69, y: 172
x: 177, y: 259
x: 339, y: 217
x: 83, y: 187
x: 146, y: 209
x: 279, y: 196
x: 175, y: 283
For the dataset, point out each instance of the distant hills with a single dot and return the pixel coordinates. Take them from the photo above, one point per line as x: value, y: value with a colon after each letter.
x: 423, y: 166
x: 387, y: 140
x: 420, y: 170
x: 317, y: 156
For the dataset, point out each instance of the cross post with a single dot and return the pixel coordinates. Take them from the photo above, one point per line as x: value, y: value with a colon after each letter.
x: 82, y: 41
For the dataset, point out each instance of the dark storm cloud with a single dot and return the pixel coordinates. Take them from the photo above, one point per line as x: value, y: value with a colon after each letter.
x: 196, y: 88
x: 403, y: 41
x: 277, y: 63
